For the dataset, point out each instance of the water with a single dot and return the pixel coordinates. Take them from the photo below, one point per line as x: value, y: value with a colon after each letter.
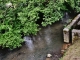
x: 65, y: 19
x: 47, y: 37
x: 29, y: 42
x: 48, y: 40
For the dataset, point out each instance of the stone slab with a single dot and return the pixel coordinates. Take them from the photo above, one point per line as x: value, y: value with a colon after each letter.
x: 66, y: 30
x: 75, y: 35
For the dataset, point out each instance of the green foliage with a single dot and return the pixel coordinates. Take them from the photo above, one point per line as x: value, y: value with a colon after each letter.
x: 21, y: 17
x: 10, y: 40
x: 75, y: 5
x: 53, y: 12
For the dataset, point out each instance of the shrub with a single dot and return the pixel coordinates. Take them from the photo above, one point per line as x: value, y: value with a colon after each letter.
x: 21, y: 16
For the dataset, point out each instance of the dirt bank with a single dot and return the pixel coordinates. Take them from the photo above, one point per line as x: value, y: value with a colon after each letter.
x: 73, y: 52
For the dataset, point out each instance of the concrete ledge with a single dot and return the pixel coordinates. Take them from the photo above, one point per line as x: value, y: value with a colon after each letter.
x: 68, y: 28
x: 66, y: 35
x: 78, y: 23
x: 75, y: 35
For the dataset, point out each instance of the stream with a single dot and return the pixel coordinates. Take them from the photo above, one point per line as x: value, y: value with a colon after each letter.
x: 48, y: 40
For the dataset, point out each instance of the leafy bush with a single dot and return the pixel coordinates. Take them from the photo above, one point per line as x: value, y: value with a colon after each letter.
x: 10, y: 40
x: 74, y: 4
x: 20, y: 17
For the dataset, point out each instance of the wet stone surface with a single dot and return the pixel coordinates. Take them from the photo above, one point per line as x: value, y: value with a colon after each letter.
x: 48, y: 40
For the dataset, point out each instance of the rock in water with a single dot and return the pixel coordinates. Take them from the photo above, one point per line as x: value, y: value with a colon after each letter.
x: 48, y: 57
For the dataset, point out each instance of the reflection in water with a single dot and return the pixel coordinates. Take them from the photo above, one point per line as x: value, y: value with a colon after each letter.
x: 29, y: 42
x: 49, y: 39
x: 65, y: 19
x: 47, y: 34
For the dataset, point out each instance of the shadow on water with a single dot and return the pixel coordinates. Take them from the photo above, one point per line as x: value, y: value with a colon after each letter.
x: 48, y: 40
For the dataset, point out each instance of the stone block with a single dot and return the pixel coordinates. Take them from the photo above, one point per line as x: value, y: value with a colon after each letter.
x: 68, y: 28
x: 66, y: 35
x: 75, y: 35
x: 78, y: 23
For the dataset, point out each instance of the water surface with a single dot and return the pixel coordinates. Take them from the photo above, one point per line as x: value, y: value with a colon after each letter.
x: 48, y: 40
